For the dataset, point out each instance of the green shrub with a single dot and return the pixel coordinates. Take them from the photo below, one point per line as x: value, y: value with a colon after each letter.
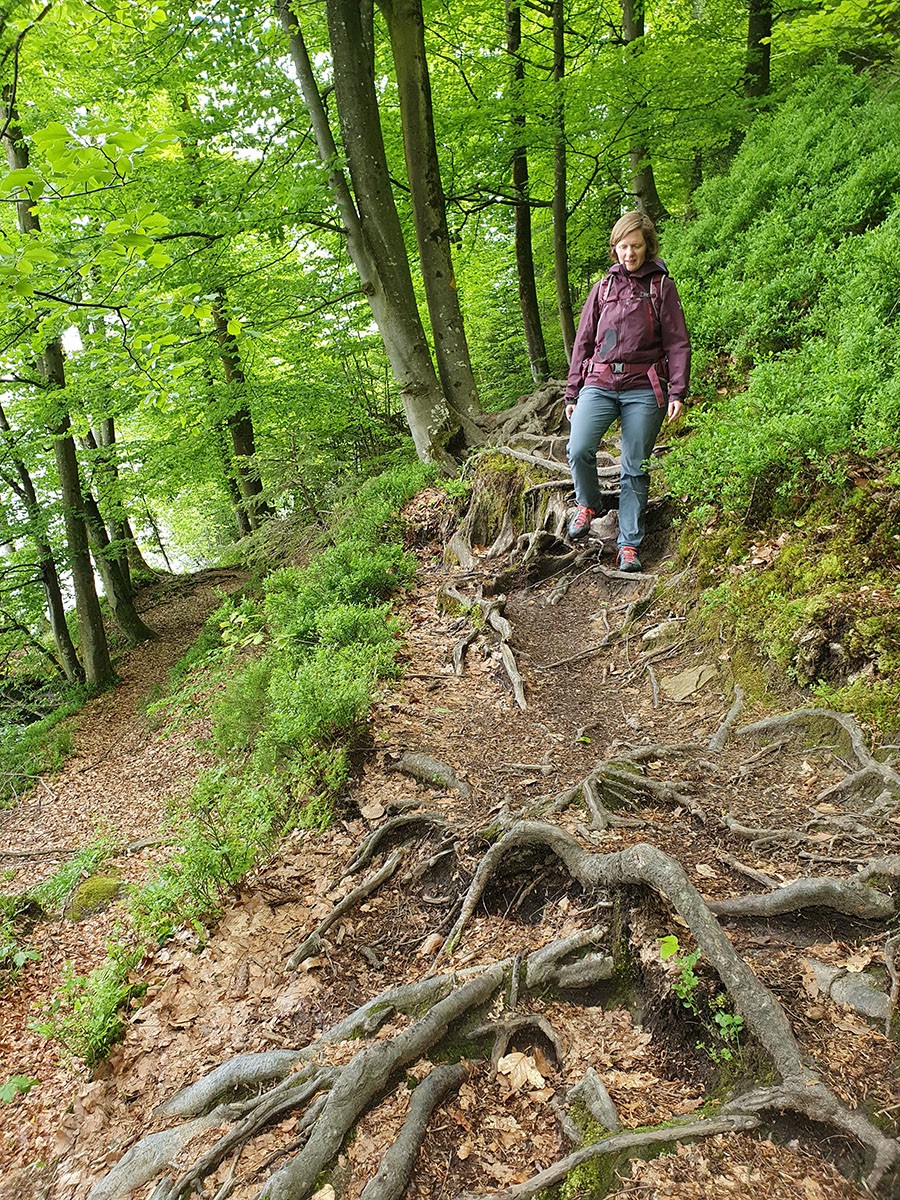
x: 36, y: 749
x: 84, y: 1016
x: 53, y: 893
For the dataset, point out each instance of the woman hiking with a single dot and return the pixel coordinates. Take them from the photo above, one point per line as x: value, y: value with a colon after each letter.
x: 631, y: 361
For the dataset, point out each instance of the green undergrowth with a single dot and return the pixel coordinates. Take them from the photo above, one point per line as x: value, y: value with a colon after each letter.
x: 813, y: 600
x: 285, y: 677
x: 790, y: 277
x: 28, y: 751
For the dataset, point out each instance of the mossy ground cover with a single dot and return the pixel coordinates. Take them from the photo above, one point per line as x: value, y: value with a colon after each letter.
x: 815, y: 598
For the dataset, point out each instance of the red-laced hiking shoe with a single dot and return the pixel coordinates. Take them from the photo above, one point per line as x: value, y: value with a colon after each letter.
x: 580, y: 525
x: 627, y: 559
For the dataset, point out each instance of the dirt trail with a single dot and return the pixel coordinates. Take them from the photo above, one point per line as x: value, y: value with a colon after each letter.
x: 586, y: 702
x: 116, y: 782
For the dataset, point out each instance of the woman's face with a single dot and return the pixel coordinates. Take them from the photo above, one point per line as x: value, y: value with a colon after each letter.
x: 632, y: 250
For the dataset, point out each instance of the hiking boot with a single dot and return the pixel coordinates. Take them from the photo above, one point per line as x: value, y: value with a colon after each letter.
x: 580, y: 525
x: 627, y: 559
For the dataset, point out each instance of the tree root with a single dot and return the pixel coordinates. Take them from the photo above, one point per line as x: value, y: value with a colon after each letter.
x: 367, y: 850
x: 720, y: 737
x: 430, y: 771
x: 846, y: 896
x: 869, y: 768
x: 247, y: 1070
x: 314, y: 942
x: 150, y: 1155
x: 764, y: 1017
x: 398, y: 1163
x: 616, y: 1143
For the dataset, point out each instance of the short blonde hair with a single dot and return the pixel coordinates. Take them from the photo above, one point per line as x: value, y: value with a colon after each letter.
x: 628, y: 223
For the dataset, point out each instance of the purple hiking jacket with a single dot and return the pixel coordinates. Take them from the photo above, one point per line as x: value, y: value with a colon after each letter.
x: 622, y: 343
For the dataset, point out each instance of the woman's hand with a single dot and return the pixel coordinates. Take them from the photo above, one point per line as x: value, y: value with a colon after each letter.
x: 570, y: 408
x: 676, y: 408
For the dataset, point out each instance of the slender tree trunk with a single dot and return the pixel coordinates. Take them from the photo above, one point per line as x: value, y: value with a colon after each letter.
x: 119, y: 524
x: 94, y: 647
x: 223, y: 446
x: 240, y: 422
x: 374, y: 236
x: 528, y: 301
x: 56, y: 611
x: 560, y: 201
x: 759, y: 49
x: 116, y: 583
x: 406, y: 28
x: 643, y: 181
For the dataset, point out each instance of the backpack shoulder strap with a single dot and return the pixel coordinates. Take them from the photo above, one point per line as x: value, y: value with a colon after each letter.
x: 656, y: 285
x: 605, y: 289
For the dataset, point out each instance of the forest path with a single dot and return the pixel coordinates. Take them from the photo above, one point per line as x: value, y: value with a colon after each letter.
x: 116, y: 784
x: 603, y: 702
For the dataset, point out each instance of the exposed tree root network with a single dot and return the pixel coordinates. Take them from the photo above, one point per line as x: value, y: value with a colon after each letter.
x: 603, y: 912
x: 473, y: 1015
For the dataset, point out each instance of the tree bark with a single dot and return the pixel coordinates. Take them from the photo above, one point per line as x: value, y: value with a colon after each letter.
x: 643, y: 181
x: 56, y: 611
x: 374, y: 237
x: 116, y: 582
x: 759, y: 49
x: 239, y: 421
x: 406, y: 28
x: 119, y: 524
x: 528, y: 301
x: 94, y: 647
x: 560, y: 205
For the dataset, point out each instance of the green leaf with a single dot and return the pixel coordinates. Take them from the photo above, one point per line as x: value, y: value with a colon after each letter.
x: 234, y: 328
x: 16, y: 1085
x: 668, y: 947
x: 24, y: 177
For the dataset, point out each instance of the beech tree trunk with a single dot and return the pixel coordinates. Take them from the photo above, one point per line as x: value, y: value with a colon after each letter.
x: 56, y: 611
x: 528, y: 301
x: 374, y: 237
x: 240, y: 422
x: 759, y: 49
x: 406, y: 28
x: 94, y: 646
x: 560, y: 203
x: 119, y: 525
x: 116, y: 582
x: 643, y: 181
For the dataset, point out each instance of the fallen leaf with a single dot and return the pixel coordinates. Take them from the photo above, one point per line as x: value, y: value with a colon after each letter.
x: 372, y: 811
x: 520, y: 1069
x: 705, y: 872
x: 431, y: 945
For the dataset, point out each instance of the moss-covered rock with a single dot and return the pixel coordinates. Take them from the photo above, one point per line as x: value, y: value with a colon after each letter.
x: 92, y: 896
